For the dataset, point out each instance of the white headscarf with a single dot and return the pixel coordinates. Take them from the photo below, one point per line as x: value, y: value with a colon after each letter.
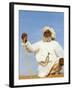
x: 51, y: 30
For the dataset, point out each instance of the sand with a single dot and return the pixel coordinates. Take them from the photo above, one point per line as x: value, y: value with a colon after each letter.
x: 36, y: 77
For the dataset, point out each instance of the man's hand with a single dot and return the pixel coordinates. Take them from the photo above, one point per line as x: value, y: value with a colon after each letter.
x: 42, y: 63
x: 24, y: 37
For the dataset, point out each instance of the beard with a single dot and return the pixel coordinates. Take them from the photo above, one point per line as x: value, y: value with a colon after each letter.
x: 46, y: 39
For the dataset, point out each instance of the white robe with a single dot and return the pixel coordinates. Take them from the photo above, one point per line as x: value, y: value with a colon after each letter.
x: 41, y: 50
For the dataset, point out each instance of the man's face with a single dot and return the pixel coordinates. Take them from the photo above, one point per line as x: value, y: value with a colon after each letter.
x: 47, y: 34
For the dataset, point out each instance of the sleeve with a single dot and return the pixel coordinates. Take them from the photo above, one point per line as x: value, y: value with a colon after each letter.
x: 59, y: 50
x: 30, y: 47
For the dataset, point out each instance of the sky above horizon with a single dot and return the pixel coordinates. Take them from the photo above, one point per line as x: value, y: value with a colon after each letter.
x: 32, y: 23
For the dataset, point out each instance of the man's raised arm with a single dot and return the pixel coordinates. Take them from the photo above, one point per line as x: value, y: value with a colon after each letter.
x: 27, y: 45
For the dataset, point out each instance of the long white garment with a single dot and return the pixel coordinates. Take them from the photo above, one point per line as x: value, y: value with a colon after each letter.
x: 41, y: 50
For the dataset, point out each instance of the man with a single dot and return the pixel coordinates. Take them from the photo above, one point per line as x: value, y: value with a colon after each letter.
x: 48, y: 52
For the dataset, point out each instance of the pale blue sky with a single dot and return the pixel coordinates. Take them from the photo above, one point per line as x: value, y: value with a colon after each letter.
x: 32, y: 23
